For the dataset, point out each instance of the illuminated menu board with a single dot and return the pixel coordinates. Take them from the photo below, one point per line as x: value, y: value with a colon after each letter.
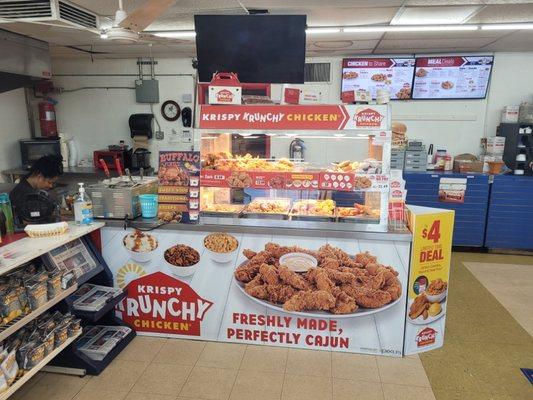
x: 394, y: 74
x: 458, y: 77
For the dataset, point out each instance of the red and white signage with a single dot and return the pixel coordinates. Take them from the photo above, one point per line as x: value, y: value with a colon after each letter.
x: 163, y: 304
x: 452, y: 77
x: 426, y: 337
x: 394, y: 74
x: 295, y: 117
x: 225, y: 88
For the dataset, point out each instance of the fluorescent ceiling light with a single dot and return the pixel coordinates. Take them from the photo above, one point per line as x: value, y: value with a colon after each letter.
x: 175, y: 34
x: 506, y: 26
x: 322, y: 30
x: 412, y: 28
x: 104, y: 35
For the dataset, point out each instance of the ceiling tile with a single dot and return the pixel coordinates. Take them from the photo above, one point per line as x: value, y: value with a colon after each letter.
x: 504, y: 13
x: 434, y: 15
x: 342, y: 44
x: 436, y: 44
x: 518, y: 41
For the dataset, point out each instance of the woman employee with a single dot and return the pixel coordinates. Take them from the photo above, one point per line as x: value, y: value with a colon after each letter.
x: 42, y: 177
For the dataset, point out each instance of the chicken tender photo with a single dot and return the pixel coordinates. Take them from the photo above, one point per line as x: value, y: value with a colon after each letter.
x: 340, y: 284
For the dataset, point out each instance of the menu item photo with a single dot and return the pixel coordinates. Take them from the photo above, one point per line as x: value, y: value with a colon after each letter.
x: 392, y: 74
x: 454, y: 77
x: 339, y: 284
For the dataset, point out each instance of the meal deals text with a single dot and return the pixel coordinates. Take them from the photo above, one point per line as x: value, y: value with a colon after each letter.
x: 324, y: 336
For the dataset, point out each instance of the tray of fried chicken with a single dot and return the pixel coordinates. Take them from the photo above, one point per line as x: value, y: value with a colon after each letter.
x: 225, y: 161
x: 266, y: 208
x: 358, y: 213
x: 221, y: 210
x: 339, y: 284
x: 313, y: 210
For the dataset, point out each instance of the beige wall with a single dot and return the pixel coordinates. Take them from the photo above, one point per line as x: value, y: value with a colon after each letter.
x: 13, y: 127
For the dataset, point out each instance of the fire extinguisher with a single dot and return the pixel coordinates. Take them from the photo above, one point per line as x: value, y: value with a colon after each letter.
x: 47, y: 119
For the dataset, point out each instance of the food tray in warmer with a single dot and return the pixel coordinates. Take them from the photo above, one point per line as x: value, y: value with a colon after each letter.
x: 225, y: 214
x: 296, y: 216
x: 267, y: 215
x: 364, y: 219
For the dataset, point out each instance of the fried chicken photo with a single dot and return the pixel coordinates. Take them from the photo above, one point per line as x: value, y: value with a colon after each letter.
x: 419, y: 306
x: 305, y: 301
x: 339, y: 284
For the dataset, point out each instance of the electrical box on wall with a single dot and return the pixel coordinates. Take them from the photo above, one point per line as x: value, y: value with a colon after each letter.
x: 147, y: 90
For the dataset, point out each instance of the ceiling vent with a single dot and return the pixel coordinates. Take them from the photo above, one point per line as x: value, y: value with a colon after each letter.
x: 53, y: 12
x: 317, y: 72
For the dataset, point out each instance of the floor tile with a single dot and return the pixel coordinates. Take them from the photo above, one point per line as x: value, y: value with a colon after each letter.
x: 180, y: 352
x: 75, y: 382
x: 347, y: 389
x: 221, y: 355
x: 402, y: 371
x: 265, y: 358
x: 50, y: 392
x: 164, y: 379
x: 90, y: 394
x: 257, y: 385
x: 402, y: 392
x: 309, y: 362
x: 299, y: 387
x: 142, y: 348
x: 355, y: 366
x: 209, y: 383
x: 119, y: 374
x: 148, y: 396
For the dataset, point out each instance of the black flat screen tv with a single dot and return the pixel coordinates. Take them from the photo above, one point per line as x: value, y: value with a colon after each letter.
x: 259, y: 48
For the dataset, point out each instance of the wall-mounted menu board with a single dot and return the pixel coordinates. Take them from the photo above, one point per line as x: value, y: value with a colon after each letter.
x: 394, y: 74
x: 455, y: 77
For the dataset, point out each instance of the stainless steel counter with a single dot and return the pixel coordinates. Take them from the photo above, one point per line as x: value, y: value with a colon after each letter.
x: 269, y: 227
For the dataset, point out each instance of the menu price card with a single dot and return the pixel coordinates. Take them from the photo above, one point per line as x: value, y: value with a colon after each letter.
x: 393, y: 74
x: 452, y: 77
x: 179, y: 186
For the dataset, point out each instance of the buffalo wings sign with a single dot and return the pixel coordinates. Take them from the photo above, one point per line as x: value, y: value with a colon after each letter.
x: 295, y: 117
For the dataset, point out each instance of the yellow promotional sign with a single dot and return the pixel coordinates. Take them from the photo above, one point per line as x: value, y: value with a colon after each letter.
x: 431, y: 251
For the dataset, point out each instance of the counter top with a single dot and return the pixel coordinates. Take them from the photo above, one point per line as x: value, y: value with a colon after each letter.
x: 269, y: 227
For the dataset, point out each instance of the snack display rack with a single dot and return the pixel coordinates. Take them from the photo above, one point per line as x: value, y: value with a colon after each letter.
x: 17, y: 254
x: 349, y: 193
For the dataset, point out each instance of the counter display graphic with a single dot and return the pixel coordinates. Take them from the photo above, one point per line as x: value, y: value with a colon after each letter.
x: 379, y: 296
x: 452, y: 77
x: 320, y: 293
x: 393, y: 74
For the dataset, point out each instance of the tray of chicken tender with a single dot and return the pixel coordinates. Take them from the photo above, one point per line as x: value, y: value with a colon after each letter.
x: 313, y: 210
x: 223, y: 210
x: 358, y: 214
x: 266, y: 208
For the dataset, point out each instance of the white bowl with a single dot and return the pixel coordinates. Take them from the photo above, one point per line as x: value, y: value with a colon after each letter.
x: 436, y: 298
x: 221, y: 258
x: 312, y: 261
x: 140, y: 256
x: 181, y: 271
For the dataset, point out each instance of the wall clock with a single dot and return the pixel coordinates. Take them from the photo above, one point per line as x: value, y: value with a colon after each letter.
x: 170, y: 110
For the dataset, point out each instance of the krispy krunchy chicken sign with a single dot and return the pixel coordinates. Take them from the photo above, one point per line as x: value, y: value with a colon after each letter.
x: 160, y: 303
x: 295, y: 117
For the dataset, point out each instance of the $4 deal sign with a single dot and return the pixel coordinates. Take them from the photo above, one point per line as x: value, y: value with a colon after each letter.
x: 160, y: 303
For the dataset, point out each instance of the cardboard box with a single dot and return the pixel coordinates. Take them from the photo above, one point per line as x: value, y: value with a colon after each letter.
x: 291, y: 96
x: 465, y: 163
x: 225, y: 88
x: 510, y: 114
x: 495, y: 145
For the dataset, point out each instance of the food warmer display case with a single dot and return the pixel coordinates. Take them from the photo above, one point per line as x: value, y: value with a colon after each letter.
x: 304, y: 174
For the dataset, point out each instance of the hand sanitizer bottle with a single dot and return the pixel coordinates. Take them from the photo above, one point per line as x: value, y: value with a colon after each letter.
x: 83, y: 208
